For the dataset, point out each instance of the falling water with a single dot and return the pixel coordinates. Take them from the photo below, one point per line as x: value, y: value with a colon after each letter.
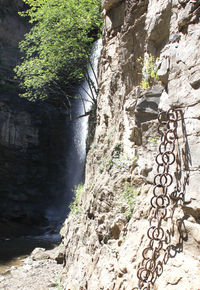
x: 86, y: 92
x: 80, y: 125
x: 77, y: 135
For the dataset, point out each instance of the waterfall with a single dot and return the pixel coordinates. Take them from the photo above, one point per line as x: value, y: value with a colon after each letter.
x: 77, y: 135
x: 86, y: 92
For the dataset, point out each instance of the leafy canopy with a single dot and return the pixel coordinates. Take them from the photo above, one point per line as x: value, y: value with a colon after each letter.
x: 57, y: 48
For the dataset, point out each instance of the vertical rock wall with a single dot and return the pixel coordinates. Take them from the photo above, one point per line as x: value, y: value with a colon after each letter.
x: 105, y: 238
x: 33, y: 150
x: 34, y: 141
x: 12, y: 30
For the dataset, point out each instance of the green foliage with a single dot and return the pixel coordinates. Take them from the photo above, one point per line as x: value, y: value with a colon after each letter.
x: 128, y: 197
x: 149, y: 71
x: 58, y: 46
x: 153, y: 140
x: 115, y: 155
x: 107, y: 163
x: 127, y: 162
x: 58, y: 281
x: 74, y: 206
x: 117, y: 150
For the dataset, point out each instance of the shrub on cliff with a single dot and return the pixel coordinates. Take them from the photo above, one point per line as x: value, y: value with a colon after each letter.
x: 57, y: 48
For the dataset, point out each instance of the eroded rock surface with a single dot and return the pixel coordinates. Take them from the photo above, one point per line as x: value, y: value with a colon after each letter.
x: 104, y: 242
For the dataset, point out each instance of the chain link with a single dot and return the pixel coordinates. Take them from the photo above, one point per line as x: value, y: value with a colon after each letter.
x: 158, y: 251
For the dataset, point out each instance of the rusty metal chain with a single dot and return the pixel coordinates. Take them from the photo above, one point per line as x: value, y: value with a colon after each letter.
x: 158, y: 251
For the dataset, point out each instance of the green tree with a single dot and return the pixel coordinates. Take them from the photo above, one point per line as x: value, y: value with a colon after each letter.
x: 57, y: 48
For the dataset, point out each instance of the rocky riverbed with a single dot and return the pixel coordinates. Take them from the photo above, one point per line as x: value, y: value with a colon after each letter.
x: 41, y: 270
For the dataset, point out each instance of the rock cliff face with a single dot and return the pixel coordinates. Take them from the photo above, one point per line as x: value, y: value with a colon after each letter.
x: 32, y: 161
x: 34, y: 141
x: 105, y: 239
x: 12, y: 30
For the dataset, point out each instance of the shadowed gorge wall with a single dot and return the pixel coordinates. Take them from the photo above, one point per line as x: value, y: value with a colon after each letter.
x: 42, y: 152
x: 35, y: 142
x: 12, y: 30
x: 32, y: 160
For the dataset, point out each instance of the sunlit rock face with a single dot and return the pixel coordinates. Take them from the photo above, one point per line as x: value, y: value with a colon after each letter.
x: 104, y: 243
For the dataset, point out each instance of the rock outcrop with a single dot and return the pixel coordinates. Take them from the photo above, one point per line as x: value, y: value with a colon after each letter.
x: 105, y: 239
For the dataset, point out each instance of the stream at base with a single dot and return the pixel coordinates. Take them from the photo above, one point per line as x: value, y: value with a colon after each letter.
x: 14, y: 250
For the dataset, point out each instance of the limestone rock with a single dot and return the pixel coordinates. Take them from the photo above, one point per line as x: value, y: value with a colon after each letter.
x: 104, y: 244
x: 39, y: 254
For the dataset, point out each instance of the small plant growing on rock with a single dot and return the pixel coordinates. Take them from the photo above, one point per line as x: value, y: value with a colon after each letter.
x: 74, y: 206
x: 109, y: 163
x: 128, y: 197
x: 114, y: 157
x: 153, y: 140
x: 149, y: 71
x: 119, y: 159
x: 117, y: 150
x: 127, y: 162
x: 59, y: 285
